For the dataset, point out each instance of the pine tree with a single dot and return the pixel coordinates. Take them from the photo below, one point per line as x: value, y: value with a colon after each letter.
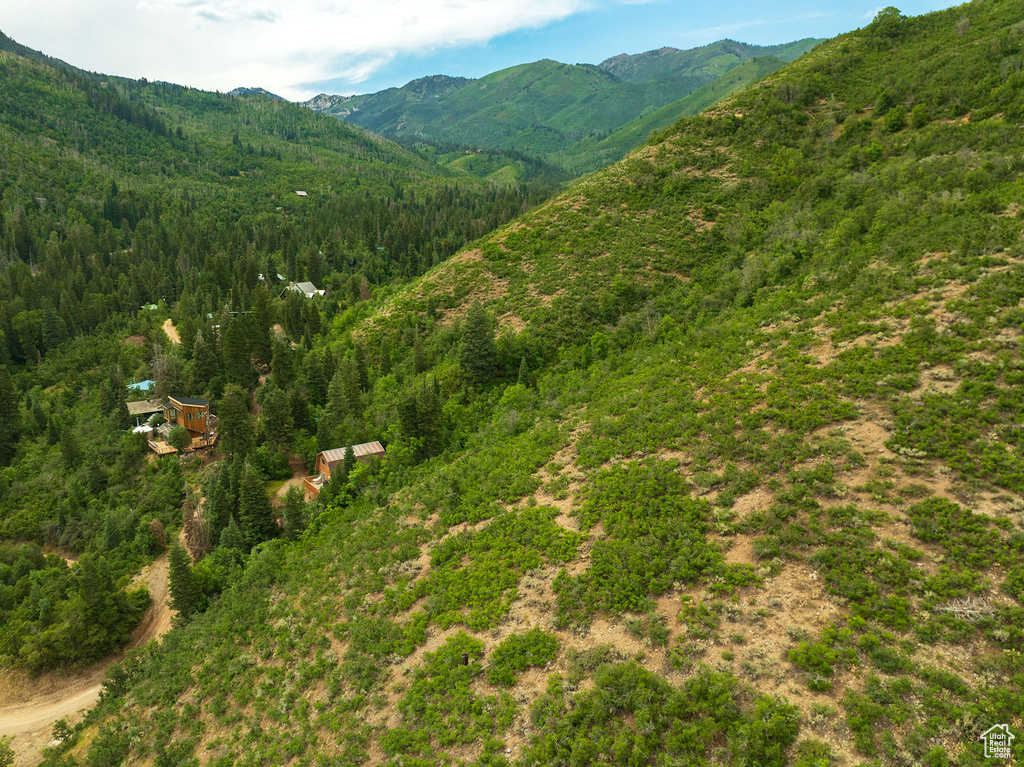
x: 234, y: 424
x: 344, y: 469
x: 314, y: 322
x: 218, y: 504
x: 232, y: 537
x: 385, y: 356
x: 254, y: 510
x: 477, y: 352
x: 237, y: 351
x: 184, y: 592
x: 314, y: 265
x: 295, y: 512
x: 262, y: 322
x: 299, y: 407
x: 55, y: 332
x: 277, y: 419
x: 69, y: 448
x: 524, y: 373
x: 316, y: 384
x: 362, y: 373
x: 283, y: 365
x: 9, y: 409
x: 205, y: 363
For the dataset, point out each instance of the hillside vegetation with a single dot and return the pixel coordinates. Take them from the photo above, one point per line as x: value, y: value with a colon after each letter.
x: 715, y: 458
x: 557, y: 111
x: 118, y: 200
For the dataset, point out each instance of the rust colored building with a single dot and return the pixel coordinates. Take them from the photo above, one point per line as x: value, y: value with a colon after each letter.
x: 190, y: 412
x: 328, y: 459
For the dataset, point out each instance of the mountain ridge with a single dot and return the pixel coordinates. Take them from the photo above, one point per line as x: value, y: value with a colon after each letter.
x: 546, y: 107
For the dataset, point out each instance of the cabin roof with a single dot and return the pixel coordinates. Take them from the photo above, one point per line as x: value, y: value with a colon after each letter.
x: 142, y: 407
x: 188, y: 401
x: 367, y: 448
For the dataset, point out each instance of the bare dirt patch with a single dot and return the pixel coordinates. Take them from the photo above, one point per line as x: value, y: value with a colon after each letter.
x: 30, y: 705
x: 171, y: 331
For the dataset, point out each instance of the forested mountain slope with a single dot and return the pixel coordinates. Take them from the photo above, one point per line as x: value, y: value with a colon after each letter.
x: 552, y: 110
x: 738, y: 481
x: 118, y: 200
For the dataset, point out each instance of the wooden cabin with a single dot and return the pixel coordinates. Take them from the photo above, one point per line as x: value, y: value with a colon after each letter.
x: 328, y: 459
x: 190, y: 412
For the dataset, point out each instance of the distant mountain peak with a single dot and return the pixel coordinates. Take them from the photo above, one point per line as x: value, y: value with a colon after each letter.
x: 254, y: 92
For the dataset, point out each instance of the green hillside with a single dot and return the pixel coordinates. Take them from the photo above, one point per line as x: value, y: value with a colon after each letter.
x: 548, y: 109
x: 713, y: 459
x: 704, y: 64
x: 118, y: 201
x: 595, y: 152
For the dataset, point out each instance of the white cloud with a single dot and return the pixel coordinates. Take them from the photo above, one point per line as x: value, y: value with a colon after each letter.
x: 221, y: 44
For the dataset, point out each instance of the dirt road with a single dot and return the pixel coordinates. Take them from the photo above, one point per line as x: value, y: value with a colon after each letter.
x: 29, y: 706
x: 298, y: 472
x: 171, y: 331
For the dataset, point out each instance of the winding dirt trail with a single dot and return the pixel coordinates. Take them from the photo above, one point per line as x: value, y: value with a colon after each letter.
x: 29, y: 706
x: 171, y: 331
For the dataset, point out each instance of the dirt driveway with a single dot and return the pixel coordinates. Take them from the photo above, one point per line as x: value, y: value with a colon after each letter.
x: 29, y: 706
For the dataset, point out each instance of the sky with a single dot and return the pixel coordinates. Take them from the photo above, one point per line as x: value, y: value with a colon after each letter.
x: 299, y: 48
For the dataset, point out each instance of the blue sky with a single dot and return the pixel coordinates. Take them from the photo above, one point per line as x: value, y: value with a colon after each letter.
x: 593, y: 35
x: 299, y: 48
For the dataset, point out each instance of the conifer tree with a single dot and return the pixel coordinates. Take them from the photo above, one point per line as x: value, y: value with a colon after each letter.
x: 299, y: 407
x: 204, y: 364
x: 344, y: 469
x: 294, y: 512
x: 524, y: 373
x: 232, y: 537
x: 314, y: 322
x: 218, y: 503
x: 184, y: 592
x: 237, y: 351
x: 316, y: 383
x: 255, y: 513
x: 385, y: 356
x: 314, y: 265
x: 477, y: 352
x: 283, y: 367
x: 234, y: 424
x: 362, y: 373
x: 277, y: 419
x: 262, y: 322
x: 9, y: 407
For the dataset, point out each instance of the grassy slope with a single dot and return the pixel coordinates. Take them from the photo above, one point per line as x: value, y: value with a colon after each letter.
x: 791, y: 362
x: 594, y: 152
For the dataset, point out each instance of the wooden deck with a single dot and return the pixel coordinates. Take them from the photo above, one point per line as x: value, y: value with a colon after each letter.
x: 198, y: 443
x: 161, y: 448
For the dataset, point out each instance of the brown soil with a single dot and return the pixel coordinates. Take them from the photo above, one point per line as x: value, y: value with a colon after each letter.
x: 30, y: 705
x: 298, y: 472
x: 171, y: 331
